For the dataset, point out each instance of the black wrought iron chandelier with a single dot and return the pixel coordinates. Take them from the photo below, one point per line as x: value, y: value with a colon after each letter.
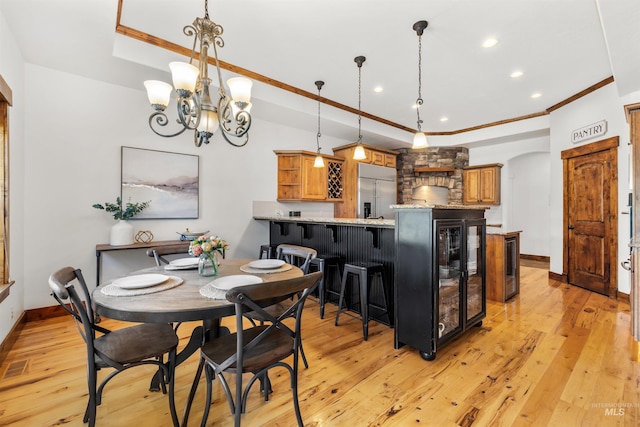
x: 196, y: 110
x: 319, y: 161
x: 420, y: 139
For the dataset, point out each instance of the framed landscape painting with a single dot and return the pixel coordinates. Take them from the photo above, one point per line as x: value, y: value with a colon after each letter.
x: 169, y: 180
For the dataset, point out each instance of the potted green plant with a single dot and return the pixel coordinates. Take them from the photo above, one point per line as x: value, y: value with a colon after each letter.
x: 122, y: 232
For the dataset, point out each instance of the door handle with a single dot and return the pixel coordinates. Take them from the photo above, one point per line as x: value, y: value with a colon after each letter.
x: 626, y: 265
x: 571, y: 227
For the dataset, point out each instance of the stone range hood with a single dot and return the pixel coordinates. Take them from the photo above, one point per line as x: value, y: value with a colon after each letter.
x: 432, y: 167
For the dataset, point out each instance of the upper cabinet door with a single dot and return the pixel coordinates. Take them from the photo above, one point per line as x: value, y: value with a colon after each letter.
x: 481, y: 185
x: 314, y: 180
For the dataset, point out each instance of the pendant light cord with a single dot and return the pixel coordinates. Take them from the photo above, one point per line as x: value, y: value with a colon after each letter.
x: 419, y: 101
x: 318, y: 135
x: 359, y: 102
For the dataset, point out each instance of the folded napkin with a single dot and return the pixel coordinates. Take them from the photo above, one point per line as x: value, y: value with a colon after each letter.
x: 115, y: 291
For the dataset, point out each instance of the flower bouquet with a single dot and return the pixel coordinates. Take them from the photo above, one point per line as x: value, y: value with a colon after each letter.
x: 206, y: 247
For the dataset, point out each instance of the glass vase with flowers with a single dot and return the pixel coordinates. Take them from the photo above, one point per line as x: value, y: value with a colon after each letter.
x: 208, y: 249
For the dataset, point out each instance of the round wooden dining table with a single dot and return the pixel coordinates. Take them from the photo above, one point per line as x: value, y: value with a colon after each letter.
x: 183, y: 303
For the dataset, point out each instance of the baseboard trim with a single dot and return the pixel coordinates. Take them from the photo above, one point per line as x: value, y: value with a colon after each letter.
x: 559, y: 277
x: 621, y: 296
x: 540, y: 258
x: 12, y: 337
x: 43, y: 313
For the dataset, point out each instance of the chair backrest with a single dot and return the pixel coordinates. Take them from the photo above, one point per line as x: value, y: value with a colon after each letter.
x: 157, y: 252
x: 258, y: 296
x: 62, y: 290
x: 299, y: 256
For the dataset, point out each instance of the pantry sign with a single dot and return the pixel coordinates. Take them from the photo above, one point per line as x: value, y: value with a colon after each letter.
x: 588, y: 132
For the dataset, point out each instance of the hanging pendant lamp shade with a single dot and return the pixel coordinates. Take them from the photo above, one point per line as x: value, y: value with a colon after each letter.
x: 358, y: 153
x: 420, y: 138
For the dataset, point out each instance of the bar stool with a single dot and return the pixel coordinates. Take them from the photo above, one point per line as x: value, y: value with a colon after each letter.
x: 325, y: 264
x: 368, y: 275
x: 267, y: 251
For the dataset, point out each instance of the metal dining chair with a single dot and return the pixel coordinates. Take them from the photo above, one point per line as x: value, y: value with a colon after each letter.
x: 301, y: 257
x: 159, y: 252
x: 259, y: 348
x: 144, y: 344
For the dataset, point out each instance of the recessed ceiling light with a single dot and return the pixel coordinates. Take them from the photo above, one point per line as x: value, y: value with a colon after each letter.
x: 414, y: 106
x: 444, y: 119
x: 378, y: 89
x: 516, y: 74
x: 490, y: 42
x: 536, y: 95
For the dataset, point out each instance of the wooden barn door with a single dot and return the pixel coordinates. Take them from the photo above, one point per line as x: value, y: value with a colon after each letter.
x: 590, y: 216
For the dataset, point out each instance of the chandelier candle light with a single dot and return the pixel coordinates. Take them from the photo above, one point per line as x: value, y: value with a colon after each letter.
x: 420, y: 139
x: 358, y: 153
x: 319, y: 161
x: 196, y: 110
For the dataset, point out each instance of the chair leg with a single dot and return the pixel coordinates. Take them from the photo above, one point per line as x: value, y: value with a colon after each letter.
x: 90, y: 413
x: 207, y: 404
x: 341, y: 299
x: 192, y: 392
x: 304, y: 358
x: 364, y: 303
x: 172, y: 401
x: 321, y: 295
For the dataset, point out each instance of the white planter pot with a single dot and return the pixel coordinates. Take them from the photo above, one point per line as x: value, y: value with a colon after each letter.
x: 121, y: 234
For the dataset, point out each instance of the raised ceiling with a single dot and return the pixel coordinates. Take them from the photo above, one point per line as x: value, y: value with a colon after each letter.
x: 562, y: 46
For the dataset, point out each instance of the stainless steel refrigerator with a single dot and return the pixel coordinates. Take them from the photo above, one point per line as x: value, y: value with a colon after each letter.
x: 376, y: 191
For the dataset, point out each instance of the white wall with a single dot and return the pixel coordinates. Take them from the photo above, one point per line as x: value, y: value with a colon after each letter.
x: 12, y: 71
x: 525, y: 190
x: 603, y: 104
x: 528, y: 195
x: 73, y: 157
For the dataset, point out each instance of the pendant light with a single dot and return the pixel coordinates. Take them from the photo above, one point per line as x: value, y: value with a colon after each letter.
x: 358, y: 153
x: 319, y: 162
x: 420, y: 139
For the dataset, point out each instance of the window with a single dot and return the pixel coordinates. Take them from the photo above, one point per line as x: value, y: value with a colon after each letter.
x: 5, y: 103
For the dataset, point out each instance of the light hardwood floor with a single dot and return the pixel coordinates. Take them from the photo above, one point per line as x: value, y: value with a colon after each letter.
x: 555, y: 355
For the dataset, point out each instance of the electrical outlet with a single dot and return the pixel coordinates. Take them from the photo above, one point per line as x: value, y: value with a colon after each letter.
x: 12, y: 312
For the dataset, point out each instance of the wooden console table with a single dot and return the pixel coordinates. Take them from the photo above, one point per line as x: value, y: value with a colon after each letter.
x: 103, y: 247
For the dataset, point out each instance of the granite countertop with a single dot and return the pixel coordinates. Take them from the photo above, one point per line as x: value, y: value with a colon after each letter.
x: 383, y: 223
x: 434, y: 206
x: 502, y: 233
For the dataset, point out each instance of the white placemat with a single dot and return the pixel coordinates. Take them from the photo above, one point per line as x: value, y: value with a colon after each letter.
x: 210, y: 291
x: 248, y: 269
x: 116, y: 291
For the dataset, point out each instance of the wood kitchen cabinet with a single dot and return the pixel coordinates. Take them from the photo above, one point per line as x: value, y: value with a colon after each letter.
x: 503, y: 265
x: 481, y: 184
x: 299, y: 180
x: 440, y: 276
x: 375, y: 156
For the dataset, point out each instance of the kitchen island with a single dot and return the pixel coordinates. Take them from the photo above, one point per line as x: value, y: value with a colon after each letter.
x: 353, y: 240
x: 374, y: 240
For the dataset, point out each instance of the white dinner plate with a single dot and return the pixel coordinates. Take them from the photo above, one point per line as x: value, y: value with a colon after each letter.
x: 266, y: 264
x: 184, y: 262
x: 227, y: 282
x: 140, y: 281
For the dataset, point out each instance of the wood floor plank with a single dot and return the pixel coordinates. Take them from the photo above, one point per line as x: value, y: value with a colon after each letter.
x: 554, y: 355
